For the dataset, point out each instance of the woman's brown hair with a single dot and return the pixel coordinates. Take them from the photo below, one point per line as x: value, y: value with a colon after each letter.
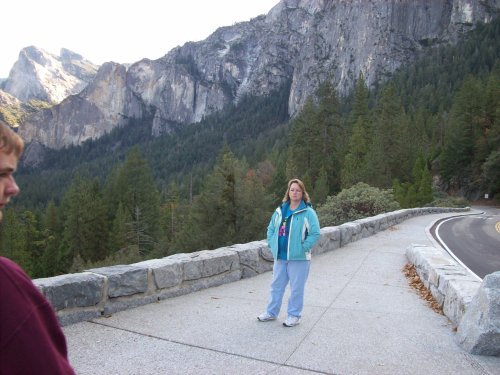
x: 305, y: 196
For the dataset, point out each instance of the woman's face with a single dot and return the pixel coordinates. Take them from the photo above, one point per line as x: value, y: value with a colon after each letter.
x: 295, y: 193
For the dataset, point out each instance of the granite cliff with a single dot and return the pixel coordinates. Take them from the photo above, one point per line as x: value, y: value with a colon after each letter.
x: 40, y: 75
x: 300, y: 41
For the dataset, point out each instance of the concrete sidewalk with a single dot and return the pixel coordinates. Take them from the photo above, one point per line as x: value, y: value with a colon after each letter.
x: 360, y: 317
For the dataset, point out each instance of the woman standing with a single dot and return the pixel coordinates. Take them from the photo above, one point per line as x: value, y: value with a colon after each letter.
x: 291, y: 234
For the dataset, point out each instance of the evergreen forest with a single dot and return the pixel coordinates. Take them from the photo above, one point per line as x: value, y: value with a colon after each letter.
x: 428, y: 133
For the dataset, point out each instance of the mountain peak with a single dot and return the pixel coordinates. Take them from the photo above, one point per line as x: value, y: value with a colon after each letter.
x: 38, y: 74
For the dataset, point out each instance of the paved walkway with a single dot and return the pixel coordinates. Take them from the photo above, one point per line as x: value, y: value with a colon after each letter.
x: 360, y: 317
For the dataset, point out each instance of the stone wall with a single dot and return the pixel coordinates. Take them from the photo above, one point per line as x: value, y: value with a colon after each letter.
x: 472, y: 305
x: 103, y: 291
x: 451, y: 285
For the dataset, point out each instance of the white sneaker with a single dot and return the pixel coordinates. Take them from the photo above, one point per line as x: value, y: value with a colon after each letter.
x: 291, y: 321
x: 266, y: 317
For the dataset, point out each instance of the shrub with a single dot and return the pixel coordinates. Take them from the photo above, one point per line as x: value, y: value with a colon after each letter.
x: 357, y: 202
x: 448, y: 201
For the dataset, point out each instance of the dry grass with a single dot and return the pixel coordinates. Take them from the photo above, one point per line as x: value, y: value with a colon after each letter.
x: 414, y: 281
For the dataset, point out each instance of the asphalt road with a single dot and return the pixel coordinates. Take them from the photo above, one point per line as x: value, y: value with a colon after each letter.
x: 474, y: 240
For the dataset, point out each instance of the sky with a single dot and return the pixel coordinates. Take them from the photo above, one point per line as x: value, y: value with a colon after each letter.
x: 115, y: 30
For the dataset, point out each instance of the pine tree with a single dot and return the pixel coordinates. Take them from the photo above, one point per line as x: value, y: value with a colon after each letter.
x: 418, y: 192
x: 401, y: 193
x: 13, y: 240
x: 387, y: 157
x: 330, y: 147
x: 320, y: 192
x: 139, y: 238
x: 232, y: 207
x: 253, y: 208
x: 133, y: 187
x: 355, y: 163
x: 418, y: 168
x: 279, y: 182
x: 301, y: 149
x: 85, y: 226
x: 317, y: 139
x: 119, y: 237
x: 360, y: 106
x: 169, y: 225
x: 33, y: 241
x: 425, y: 187
x: 51, y: 258
x: 459, y: 150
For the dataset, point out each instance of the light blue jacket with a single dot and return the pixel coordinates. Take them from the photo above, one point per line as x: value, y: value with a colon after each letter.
x: 303, y: 235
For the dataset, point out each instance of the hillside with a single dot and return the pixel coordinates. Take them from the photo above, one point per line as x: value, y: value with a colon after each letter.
x: 429, y: 131
x: 257, y: 126
x: 300, y: 43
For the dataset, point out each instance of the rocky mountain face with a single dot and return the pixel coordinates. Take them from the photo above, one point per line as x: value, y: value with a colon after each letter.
x: 105, y: 103
x: 300, y: 41
x: 9, y: 101
x: 38, y: 74
x: 9, y: 106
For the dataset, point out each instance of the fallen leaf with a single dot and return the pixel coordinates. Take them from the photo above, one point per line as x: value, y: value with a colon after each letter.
x: 415, y: 282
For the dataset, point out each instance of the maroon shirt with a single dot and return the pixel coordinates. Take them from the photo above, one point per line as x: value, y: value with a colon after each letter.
x: 31, y: 340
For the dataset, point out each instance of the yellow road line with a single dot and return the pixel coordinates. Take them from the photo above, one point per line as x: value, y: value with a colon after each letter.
x: 497, y: 226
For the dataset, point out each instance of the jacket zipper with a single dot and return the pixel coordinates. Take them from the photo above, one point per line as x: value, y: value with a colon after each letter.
x: 290, y: 232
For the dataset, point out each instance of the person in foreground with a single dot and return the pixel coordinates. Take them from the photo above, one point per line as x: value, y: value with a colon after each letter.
x: 292, y: 232
x: 31, y: 340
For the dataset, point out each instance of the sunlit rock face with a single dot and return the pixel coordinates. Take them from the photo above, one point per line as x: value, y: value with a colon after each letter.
x: 301, y: 42
x: 9, y: 101
x: 104, y: 104
x: 38, y: 74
